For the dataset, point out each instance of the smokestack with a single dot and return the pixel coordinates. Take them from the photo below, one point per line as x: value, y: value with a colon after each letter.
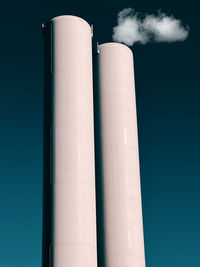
x: 122, y: 209
x: 73, y: 229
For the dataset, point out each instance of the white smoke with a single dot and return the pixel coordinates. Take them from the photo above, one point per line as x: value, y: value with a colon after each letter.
x: 134, y: 27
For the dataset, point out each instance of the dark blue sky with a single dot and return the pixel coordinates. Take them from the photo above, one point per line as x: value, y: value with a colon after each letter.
x: 168, y: 93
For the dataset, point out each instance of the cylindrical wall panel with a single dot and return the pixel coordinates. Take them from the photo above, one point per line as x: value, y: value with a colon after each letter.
x: 73, y: 177
x: 124, y: 243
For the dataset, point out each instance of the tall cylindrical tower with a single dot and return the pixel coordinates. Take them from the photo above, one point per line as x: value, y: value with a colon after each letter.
x: 122, y: 210
x: 73, y: 241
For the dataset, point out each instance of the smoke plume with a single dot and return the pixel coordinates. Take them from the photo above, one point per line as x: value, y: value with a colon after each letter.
x: 134, y: 27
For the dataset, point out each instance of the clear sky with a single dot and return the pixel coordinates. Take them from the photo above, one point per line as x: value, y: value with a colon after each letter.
x: 168, y: 93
